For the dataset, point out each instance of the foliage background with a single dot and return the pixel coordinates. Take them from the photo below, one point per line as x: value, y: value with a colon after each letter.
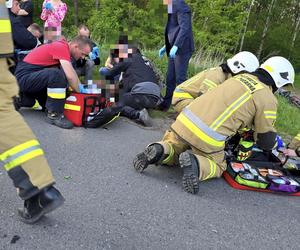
x: 221, y: 28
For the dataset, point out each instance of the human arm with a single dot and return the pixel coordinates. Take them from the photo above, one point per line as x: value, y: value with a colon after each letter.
x: 70, y: 74
x: 26, y: 9
x: 264, y: 120
x: 60, y: 12
x: 45, y: 12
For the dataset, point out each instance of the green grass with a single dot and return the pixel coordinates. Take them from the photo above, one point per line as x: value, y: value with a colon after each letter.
x: 288, y: 118
x: 297, y: 81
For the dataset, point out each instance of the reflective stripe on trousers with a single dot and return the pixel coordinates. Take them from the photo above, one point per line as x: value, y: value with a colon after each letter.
x: 20, y: 154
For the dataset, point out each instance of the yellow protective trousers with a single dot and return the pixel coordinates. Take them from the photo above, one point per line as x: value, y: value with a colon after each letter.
x: 20, y: 152
x: 210, y: 165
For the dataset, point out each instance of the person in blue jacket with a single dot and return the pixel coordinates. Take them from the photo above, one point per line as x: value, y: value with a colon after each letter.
x: 179, y: 46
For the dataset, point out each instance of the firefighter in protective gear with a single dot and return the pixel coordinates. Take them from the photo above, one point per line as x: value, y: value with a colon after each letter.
x: 243, y: 101
x: 20, y: 151
x: 208, y: 79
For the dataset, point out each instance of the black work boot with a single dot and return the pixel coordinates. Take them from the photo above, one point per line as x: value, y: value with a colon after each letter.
x: 190, y: 179
x: 59, y: 120
x: 35, y: 207
x: 151, y: 155
x: 144, y: 118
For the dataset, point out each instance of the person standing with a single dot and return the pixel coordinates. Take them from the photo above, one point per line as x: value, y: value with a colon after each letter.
x: 20, y: 151
x: 53, y: 13
x: 25, y: 14
x: 179, y: 46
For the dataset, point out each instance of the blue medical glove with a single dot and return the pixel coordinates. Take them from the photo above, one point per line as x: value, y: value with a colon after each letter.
x: 96, y: 51
x: 92, y: 56
x: 104, y: 71
x: 173, y: 51
x: 162, y: 51
x: 280, y: 143
x: 48, y: 6
x: 82, y: 89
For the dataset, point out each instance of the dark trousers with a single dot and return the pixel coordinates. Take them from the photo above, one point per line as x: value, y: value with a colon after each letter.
x: 130, y: 104
x: 176, y: 74
x: 36, y: 82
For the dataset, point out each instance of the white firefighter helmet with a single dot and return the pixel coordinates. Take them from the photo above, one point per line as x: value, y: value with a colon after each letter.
x: 280, y: 69
x: 243, y: 61
x: 9, y: 3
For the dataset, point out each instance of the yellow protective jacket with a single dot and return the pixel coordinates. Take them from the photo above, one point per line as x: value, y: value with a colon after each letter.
x: 6, y: 43
x: 199, y: 84
x: 240, y: 102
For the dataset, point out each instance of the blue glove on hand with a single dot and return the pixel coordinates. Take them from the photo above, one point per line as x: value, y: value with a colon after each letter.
x: 94, y: 54
x: 280, y: 143
x: 48, y: 6
x: 82, y: 89
x: 173, y: 51
x: 162, y: 51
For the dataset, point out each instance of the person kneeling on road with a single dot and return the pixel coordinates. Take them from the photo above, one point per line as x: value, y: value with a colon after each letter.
x: 205, y: 124
x: 207, y: 80
x: 140, y: 87
x: 47, y: 72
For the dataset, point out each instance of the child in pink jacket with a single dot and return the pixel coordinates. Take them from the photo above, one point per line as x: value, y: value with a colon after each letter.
x: 53, y: 14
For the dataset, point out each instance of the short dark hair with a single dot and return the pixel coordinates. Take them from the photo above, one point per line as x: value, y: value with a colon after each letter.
x: 37, y: 27
x: 83, y: 26
x: 82, y: 41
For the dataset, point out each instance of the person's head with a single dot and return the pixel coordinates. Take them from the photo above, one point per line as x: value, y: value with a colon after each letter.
x: 35, y: 30
x: 243, y: 61
x: 83, y: 30
x: 280, y: 69
x: 80, y: 47
x: 13, y: 5
x: 121, y: 50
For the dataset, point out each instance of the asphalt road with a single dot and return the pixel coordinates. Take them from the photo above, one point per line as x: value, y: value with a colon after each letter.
x: 110, y: 206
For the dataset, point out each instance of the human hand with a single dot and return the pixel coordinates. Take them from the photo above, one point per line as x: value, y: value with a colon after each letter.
x: 82, y: 89
x: 288, y: 152
x: 162, y: 51
x: 173, y: 51
x: 48, y: 6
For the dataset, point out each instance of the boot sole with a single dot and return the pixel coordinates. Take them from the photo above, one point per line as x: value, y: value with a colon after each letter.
x: 141, y: 161
x: 190, y: 182
x: 54, y: 205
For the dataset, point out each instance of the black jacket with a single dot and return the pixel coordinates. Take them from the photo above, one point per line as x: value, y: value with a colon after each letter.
x: 134, y: 71
x: 22, y: 38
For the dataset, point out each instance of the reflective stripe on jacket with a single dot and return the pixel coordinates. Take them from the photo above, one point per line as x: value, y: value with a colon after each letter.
x: 6, y: 44
x: 241, y: 101
x: 199, y: 84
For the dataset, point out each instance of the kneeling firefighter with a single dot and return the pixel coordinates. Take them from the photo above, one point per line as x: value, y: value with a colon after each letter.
x: 20, y: 151
x: 243, y: 101
x: 206, y: 80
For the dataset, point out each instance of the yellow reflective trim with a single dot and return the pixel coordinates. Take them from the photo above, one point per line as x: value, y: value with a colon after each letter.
x: 170, y: 156
x: 213, y: 168
x: 271, y: 117
x: 297, y: 137
x: 230, y: 110
x: 182, y: 95
x: 57, y: 95
x: 5, y: 26
x: 18, y: 148
x: 270, y: 112
x: 210, y: 84
x: 72, y: 107
x: 23, y: 158
x: 268, y: 68
x: 190, y: 81
x: 199, y: 133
